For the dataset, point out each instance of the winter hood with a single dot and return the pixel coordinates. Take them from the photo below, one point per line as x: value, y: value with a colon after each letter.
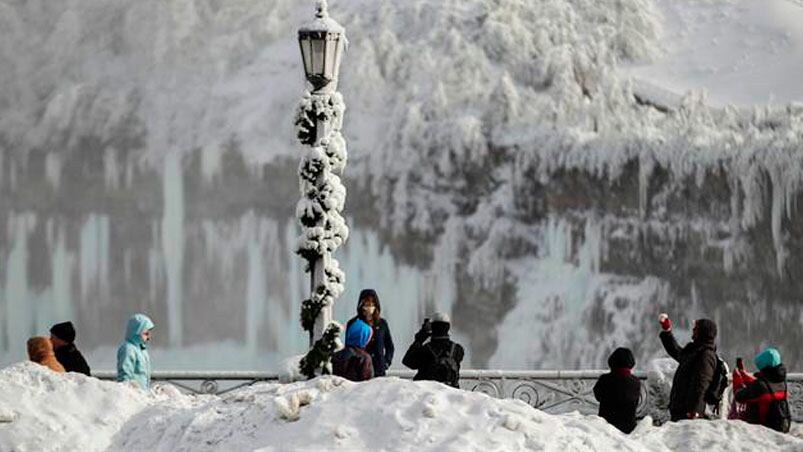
x: 358, y: 334
x: 706, y: 331
x: 39, y: 349
x: 136, y: 325
x: 365, y: 293
x: 621, y: 358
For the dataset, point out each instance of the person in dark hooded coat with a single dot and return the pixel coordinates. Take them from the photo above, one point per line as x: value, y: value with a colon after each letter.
x: 440, y: 358
x: 618, y: 391
x: 766, y: 397
x: 62, y: 335
x: 697, y: 363
x: 381, y: 346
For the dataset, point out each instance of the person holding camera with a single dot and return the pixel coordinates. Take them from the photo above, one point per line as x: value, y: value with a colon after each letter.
x: 765, y: 396
x: 697, y: 367
x: 440, y: 358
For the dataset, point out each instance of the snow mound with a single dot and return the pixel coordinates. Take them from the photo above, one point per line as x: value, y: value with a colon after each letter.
x: 56, y: 412
x: 44, y: 411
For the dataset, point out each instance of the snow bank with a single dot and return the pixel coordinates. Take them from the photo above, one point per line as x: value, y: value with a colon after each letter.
x: 54, y: 412
x: 49, y: 412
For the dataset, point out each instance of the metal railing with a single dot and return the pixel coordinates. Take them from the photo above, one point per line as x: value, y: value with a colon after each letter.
x: 554, y: 391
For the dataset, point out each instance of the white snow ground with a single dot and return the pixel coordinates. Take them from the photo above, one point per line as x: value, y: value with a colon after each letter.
x: 44, y: 411
x: 741, y: 52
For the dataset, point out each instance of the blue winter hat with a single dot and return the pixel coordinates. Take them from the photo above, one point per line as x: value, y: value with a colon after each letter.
x: 358, y: 334
x: 770, y: 357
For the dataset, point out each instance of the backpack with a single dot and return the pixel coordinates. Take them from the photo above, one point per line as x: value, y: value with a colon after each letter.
x: 444, y: 367
x: 778, y: 415
x: 713, y: 395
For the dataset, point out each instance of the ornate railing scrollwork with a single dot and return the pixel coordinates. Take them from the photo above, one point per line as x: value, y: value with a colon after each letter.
x: 556, y: 391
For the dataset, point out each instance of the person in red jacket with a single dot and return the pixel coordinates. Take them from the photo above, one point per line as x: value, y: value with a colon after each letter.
x: 353, y: 362
x: 766, y: 397
x: 741, y: 379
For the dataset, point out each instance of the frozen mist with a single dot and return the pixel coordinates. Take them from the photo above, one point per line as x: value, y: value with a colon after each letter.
x: 500, y: 169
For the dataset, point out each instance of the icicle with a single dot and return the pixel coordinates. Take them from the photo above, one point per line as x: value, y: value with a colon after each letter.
x: 173, y: 244
x: 53, y: 169
x: 646, y: 168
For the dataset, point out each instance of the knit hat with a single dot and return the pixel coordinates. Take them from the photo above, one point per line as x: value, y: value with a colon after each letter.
x: 770, y: 357
x: 358, y: 334
x: 64, y: 331
x: 621, y: 358
x: 440, y: 317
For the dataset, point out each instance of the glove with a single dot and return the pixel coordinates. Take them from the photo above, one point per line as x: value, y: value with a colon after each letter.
x: 666, y: 324
x: 424, y: 332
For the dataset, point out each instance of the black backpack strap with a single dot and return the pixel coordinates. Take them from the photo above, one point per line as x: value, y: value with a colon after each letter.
x: 450, y: 352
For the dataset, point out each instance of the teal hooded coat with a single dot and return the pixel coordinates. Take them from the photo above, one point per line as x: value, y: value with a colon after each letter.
x: 133, y: 361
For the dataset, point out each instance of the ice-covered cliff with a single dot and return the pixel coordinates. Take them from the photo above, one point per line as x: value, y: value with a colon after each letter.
x: 503, y: 166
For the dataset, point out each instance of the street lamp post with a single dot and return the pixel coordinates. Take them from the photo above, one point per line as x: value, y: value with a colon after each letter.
x: 318, y: 122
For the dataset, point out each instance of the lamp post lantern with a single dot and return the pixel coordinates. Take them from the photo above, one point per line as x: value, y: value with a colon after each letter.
x: 319, y: 119
x: 322, y: 42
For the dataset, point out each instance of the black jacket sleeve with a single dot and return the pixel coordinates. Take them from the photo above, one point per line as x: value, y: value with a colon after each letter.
x: 701, y: 377
x: 670, y: 344
x: 599, y: 388
x: 390, y: 350
x: 81, y: 365
x: 414, y: 356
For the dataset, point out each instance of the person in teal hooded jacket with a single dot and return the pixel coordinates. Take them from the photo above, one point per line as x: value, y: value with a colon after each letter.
x: 133, y: 361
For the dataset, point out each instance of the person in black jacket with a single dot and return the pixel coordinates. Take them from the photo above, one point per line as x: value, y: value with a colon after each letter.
x: 766, y: 397
x: 440, y: 358
x: 381, y: 346
x: 697, y: 363
x: 62, y: 336
x: 618, y: 391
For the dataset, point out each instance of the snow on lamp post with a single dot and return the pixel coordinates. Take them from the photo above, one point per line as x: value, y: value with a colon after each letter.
x: 319, y: 119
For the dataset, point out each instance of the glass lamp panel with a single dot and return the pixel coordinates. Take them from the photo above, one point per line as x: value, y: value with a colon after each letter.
x: 331, y: 49
x: 338, y: 47
x: 318, y: 51
x: 306, y: 53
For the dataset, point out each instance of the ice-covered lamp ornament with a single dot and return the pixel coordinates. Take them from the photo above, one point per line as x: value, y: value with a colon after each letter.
x: 318, y: 122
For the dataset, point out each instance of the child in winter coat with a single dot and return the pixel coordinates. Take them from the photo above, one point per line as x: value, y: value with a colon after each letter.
x: 40, y: 351
x: 62, y: 336
x: 133, y: 360
x: 618, y: 391
x: 766, y: 397
x: 353, y: 362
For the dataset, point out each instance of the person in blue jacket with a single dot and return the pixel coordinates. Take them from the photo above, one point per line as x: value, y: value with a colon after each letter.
x: 353, y: 362
x: 133, y: 361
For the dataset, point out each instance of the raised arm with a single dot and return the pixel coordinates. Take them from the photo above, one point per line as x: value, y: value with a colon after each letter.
x: 670, y: 344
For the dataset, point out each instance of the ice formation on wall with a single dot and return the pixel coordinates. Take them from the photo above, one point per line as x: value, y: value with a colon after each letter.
x: 490, y: 138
